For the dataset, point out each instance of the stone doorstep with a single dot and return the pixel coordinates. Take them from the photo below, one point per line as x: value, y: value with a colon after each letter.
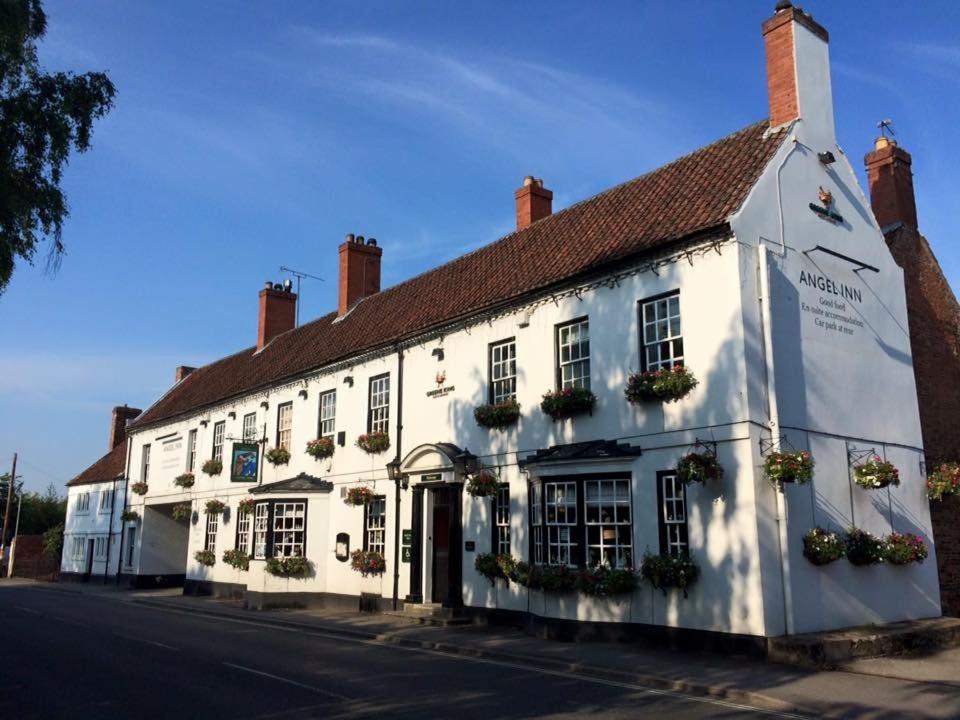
x: 836, y: 647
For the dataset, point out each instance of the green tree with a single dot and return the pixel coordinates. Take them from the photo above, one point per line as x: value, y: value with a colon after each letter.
x: 53, y: 542
x: 40, y: 511
x: 43, y: 116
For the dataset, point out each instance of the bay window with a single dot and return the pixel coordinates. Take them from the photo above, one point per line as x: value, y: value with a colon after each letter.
x: 279, y: 529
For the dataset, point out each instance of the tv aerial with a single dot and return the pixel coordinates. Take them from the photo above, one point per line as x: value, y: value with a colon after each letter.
x: 299, y: 275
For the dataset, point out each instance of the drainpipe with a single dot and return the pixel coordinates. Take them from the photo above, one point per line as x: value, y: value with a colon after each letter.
x: 396, y: 493
x: 113, y: 507
x: 126, y: 481
x: 774, y: 415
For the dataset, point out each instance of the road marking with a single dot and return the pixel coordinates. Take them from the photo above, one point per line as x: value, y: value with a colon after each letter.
x: 28, y: 610
x: 71, y: 622
x: 311, y: 688
x: 146, y: 642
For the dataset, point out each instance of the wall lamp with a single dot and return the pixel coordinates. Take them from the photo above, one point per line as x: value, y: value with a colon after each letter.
x: 466, y: 463
x: 393, y: 470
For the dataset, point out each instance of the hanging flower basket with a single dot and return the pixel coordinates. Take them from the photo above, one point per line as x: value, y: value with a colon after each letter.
x: 321, y: 448
x: 497, y: 415
x: 288, y: 567
x: 560, y: 404
x: 943, y: 481
x: 905, y: 548
x: 246, y: 505
x: 876, y: 473
x: 660, y: 385
x: 358, y: 495
x: 236, y: 559
x: 212, y: 467
x: 205, y: 557
x: 374, y: 443
x: 788, y: 466
x: 181, y: 511
x: 822, y: 547
x: 129, y: 516
x: 483, y: 484
x: 215, y: 507
x: 669, y: 571
x: 185, y: 481
x: 277, y: 456
x: 699, y: 467
x: 603, y: 581
x: 139, y: 488
x: 488, y: 565
x: 367, y: 563
x: 862, y: 548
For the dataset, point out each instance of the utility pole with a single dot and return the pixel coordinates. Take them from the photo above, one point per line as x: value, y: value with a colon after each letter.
x: 6, y: 513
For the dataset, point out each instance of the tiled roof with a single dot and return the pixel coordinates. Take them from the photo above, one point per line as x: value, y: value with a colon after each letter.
x: 107, y: 468
x: 694, y: 194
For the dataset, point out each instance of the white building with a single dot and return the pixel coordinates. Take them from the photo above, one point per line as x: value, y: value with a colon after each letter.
x: 755, y: 262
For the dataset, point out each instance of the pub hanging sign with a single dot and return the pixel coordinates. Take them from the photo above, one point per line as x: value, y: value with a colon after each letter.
x: 244, y: 461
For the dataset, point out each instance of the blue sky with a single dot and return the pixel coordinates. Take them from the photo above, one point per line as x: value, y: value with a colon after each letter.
x: 247, y: 136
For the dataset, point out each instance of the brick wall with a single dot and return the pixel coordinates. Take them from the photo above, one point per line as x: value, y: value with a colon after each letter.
x: 29, y: 560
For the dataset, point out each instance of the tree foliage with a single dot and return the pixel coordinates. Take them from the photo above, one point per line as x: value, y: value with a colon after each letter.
x: 43, y: 116
x: 40, y: 511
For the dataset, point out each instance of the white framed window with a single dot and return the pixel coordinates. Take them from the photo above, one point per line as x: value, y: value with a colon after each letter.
x: 375, y: 524
x: 192, y: 451
x: 672, y: 497
x: 131, y: 544
x: 218, y: 432
x: 83, y: 502
x: 100, y: 547
x: 79, y: 543
x: 379, y: 417
x: 328, y: 413
x: 261, y: 520
x: 503, y: 371
x: 662, y: 346
x: 210, y: 536
x: 606, y: 509
x: 284, y: 425
x: 244, y: 524
x: 106, y: 500
x: 289, y: 528
x: 573, y: 354
x: 145, y: 463
x: 501, y: 516
x: 250, y: 427
x: 561, y: 521
x: 536, y: 520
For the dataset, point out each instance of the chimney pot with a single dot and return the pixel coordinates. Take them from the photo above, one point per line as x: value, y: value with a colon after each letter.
x: 278, y: 313
x: 534, y: 202
x: 359, y: 271
x: 349, y: 237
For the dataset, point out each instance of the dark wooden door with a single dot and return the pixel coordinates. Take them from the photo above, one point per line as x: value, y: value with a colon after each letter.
x: 89, y: 570
x: 441, y: 544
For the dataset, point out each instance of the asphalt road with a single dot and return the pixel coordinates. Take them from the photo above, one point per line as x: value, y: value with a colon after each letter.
x: 71, y: 655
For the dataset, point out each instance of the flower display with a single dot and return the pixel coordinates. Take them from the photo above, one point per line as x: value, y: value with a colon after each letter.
x: 321, y: 448
x: 367, y: 563
x: 295, y: 566
x: 181, y: 511
x: 246, y: 505
x: 374, y: 443
x: 277, y: 456
x: 483, y: 484
x: 212, y: 467
x: 139, y: 488
x: 497, y: 415
x: 205, y: 557
x: 358, y: 495
x: 660, y: 385
x: 603, y: 581
x: 699, y: 467
x: 943, y: 481
x: 560, y: 404
x: 876, y: 473
x: 215, y: 507
x: 185, y: 481
x: 488, y: 565
x: 129, y: 516
x: 557, y: 578
x: 904, y: 548
x: 822, y: 547
x: 669, y: 571
x: 862, y: 548
x: 237, y: 559
x: 788, y: 466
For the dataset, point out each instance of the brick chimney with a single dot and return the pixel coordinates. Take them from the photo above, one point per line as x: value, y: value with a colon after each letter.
x: 181, y: 372
x: 118, y: 424
x: 359, y: 271
x: 534, y: 202
x: 891, y: 184
x: 798, y: 67
x: 278, y: 312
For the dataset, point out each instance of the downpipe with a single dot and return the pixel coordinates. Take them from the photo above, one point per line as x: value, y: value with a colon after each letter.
x: 396, y: 489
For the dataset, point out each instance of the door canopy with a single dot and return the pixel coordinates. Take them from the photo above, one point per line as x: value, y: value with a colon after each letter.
x: 431, y: 458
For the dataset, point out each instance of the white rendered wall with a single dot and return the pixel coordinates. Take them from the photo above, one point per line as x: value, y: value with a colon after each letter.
x: 90, y: 525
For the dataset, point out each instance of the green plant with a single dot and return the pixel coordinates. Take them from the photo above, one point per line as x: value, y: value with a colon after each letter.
x: 822, y: 547
x: 603, y: 581
x: 52, y: 541
x: 862, y: 548
x: 288, y: 567
x: 139, y: 488
x: 559, y: 404
x: 497, y: 415
x: 483, y: 484
x: 374, y: 443
x: 943, y: 481
x: 488, y: 565
x: 277, y: 456
x: 215, y: 507
x: 367, y: 563
x: 876, y: 473
x: 321, y: 448
x: 129, y: 516
x: 212, y: 467
x: 360, y: 495
x: 246, y: 505
x: 185, y: 481
x: 181, y: 511
x: 557, y: 578
x: 660, y: 385
x: 904, y: 548
x: 205, y: 557
x: 237, y: 559
x: 699, y: 467
x: 788, y: 466
x: 669, y: 571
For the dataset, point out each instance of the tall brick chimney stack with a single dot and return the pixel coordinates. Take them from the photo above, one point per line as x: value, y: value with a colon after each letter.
x: 181, y: 372
x: 798, y: 67
x: 278, y: 312
x: 118, y: 424
x: 534, y: 202
x: 891, y: 184
x: 359, y: 271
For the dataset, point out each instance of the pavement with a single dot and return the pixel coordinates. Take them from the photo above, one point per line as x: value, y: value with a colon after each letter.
x: 382, y: 664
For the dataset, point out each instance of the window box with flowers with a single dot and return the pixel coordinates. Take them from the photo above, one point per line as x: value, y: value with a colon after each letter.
x: 669, y: 571
x: 660, y: 385
x: 556, y: 578
x: 603, y: 581
x: 181, y: 511
x: 489, y: 566
x: 215, y: 507
x: 246, y: 505
x: 497, y: 416
x: 788, y: 466
x: 862, y: 548
x: 943, y: 481
x: 374, y: 443
x: 905, y: 548
x: 205, y: 557
x: 358, y: 495
x: 139, y: 488
x: 212, y: 467
x: 367, y: 563
x: 483, y: 484
x: 822, y: 547
x: 875, y: 474
x: 236, y: 559
x: 515, y: 570
x: 699, y: 466
x: 130, y: 516
x: 321, y: 448
x: 277, y: 456
x: 185, y: 481
x: 560, y: 404
x: 288, y: 567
